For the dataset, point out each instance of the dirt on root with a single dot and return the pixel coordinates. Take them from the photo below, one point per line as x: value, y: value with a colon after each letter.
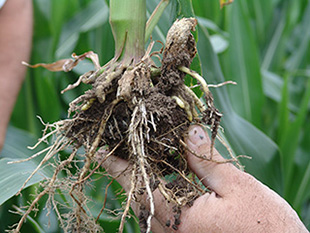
x: 140, y: 109
x: 142, y: 117
x: 128, y: 104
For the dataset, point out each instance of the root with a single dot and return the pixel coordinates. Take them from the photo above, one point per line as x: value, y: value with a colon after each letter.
x: 137, y: 131
x: 45, y: 136
x: 148, y: 189
x: 233, y: 157
x: 215, y: 85
x: 183, y: 176
x: 47, y: 189
x: 140, y: 111
x: 57, y: 211
x: 34, y: 202
x: 96, y: 142
x: 165, y: 145
x: 100, y: 164
x: 31, y: 157
x: 129, y: 199
x: 200, y: 79
x: 168, y: 194
x: 222, y: 84
x: 185, y: 105
x: 73, y: 106
x: 209, y: 158
x: 52, y: 151
x: 197, y: 101
x: 212, y: 115
x: 87, y: 78
x: 105, y: 199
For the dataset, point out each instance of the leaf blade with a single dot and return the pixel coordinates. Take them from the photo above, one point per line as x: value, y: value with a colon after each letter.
x: 243, y: 61
x: 12, y: 176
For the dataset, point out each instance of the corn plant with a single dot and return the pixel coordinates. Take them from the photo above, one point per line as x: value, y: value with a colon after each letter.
x: 262, y: 45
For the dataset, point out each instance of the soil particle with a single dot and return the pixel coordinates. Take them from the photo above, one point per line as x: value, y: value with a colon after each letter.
x: 168, y: 223
x: 179, y: 51
x: 143, y: 215
x: 174, y: 227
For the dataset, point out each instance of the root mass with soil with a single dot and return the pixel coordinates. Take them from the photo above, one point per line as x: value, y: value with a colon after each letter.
x: 141, y: 115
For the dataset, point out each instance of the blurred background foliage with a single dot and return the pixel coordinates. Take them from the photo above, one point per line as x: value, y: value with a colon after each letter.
x: 262, y: 45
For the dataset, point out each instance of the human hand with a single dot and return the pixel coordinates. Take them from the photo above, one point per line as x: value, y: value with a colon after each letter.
x: 238, y: 202
x: 15, y: 46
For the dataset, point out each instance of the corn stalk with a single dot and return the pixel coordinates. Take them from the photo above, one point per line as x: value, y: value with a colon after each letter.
x: 127, y: 20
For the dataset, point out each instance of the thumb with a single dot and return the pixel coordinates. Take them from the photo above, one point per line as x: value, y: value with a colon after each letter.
x: 214, y: 172
x: 116, y: 167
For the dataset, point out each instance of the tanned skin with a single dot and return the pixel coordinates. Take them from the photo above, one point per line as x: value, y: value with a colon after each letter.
x: 15, y: 46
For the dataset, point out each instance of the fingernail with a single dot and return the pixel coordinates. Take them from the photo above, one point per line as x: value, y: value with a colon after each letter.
x: 197, y: 136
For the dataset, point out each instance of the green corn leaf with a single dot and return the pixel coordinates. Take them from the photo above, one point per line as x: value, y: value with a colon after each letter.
x: 47, y: 98
x: 302, y: 43
x: 208, y: 9
x: 275, y: 44
x: 161, y: 29
x: 289, y: 143
x: 306, y: 215
x: 272, y: 84
x: 12, y: 176
x: 302, y: 193
x: 211, y: 26
x: 94, y: 15
x: 183, y: 9
x: 247, y: 98
x: 154, y: 18
x: 25, y: 106
x: 244, y: 138
x: 260, y: 13
x: 59, y: 11
x: 283, y: 111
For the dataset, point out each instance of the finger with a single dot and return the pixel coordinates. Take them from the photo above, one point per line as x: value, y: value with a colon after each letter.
x: 121, y: 170
x: 218, y: 176
x: 163, y: 219
x: 157, y: 227
x: 117, y: 168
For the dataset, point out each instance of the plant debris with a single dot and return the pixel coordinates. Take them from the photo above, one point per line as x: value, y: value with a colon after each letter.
x: 141, y: 116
